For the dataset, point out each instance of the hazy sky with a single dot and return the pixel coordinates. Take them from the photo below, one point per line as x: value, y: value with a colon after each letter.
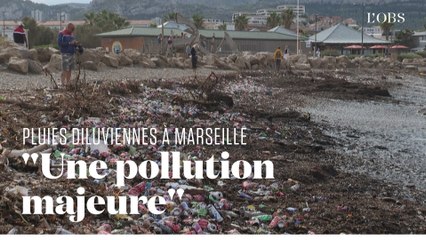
x: 53, y: 2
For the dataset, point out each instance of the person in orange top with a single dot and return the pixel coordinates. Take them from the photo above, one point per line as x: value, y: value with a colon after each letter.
x: 278, y: 56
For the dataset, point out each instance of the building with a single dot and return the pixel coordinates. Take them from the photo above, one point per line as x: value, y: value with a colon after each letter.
x: 145, y: 39
x: 260, y: 17
x: 173, y: 25
x: 211, y: 23
x: 37, y: 15
x: 375, y: 31
x: 340, y: 36
x: 282, y: 30
x: 420, y: 38
x: 63, y: 16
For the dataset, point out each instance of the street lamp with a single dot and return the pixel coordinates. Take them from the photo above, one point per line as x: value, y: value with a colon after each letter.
x: 362, y: 29
x: 316, y: 32
x: 62, y: 14
x: 297, y: 28
x: 4, y: 25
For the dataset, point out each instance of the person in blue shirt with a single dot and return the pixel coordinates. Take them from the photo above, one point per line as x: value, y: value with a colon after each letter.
x: 68, y: 47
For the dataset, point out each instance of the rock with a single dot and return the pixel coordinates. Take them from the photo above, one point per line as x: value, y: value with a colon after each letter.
x: 35, y: 67
x: 242, y: 63
x: 147, y: 63
x: 410, y: 67
x: 44, y: 54
x: 159, y: 62
x: 90, y: 65
x: 33, y: 54
x: 315, y: 62
x: 211, y: 59
x: 233, y: 57
x: 55, y: 63
x: 253, y: 60
x: 18, y: 65
x: 263, y: 58
x: 133, y: 54
x: 180, y: 62
x: 343, y: 61
x: 421, y: 69
x: 90, y: 55
x: 7, y: 53
x: 101, y: 66
x: 302, y: 66
x: 363, y: 62
x: 124, y: 60
x: 303, y: 59
x: 110, y: 61
x: 4, y: 58
x: 407, y: 61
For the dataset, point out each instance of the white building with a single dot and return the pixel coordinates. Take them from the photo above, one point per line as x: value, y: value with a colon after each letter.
x: 63, y: 17
x: 375, y: 31
x: 260, y: 17
x: 37, y: 15
x: 420, y: 41
x: 298, y: 10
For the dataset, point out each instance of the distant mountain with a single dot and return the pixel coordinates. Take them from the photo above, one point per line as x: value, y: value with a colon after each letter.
x: 222, y: 9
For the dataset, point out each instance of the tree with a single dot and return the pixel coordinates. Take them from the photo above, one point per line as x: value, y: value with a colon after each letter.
x: 222, y: 27
x: 170, y: 17
x: 287, y: 18
x: 108, y: 21
x: 38, y: 35
x: 405, y: 37
x: 96, y: 23
x: 198, y: 21
x: 386, y: 28
x: 273, y: 20
x: 90, y: 18
x: 241, y: 23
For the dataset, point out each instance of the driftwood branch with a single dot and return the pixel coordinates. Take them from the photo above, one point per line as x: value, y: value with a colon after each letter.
x: 18, y: 153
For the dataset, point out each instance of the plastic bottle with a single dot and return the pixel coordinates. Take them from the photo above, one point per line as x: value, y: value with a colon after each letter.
x: 214, y: 213
x: 215, y: 196
x: 263, y: 218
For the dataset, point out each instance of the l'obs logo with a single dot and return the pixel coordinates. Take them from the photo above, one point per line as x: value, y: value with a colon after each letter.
x: 382, y: 17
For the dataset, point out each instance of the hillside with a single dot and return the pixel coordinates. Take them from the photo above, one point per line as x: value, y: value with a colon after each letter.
x: 222, y: 9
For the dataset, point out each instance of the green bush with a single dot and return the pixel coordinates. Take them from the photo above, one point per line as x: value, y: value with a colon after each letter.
x: 403, y: 56
x: 423, y: 54
x: 332, y: 53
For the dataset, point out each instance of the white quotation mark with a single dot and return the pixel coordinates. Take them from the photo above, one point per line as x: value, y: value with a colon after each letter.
x: 172, y: 192
x: 27, y: 156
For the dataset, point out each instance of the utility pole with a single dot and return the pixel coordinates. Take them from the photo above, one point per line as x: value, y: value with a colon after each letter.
x: 4, y: 25
x: 316, y: 32
x: 362, y: 29
x: 297, y: 28
x: 60, y: 20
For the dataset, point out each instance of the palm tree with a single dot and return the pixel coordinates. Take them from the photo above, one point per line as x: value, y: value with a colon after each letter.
x: 241, y: 23
x: 198, y: 21
x: 108, y: 21
x: 90, y: 18
x: 273, y: 20
x: 287, y: 18
x: 170, y: 17
x: 386, y: 28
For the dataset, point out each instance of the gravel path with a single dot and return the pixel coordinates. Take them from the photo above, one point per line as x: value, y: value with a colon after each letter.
x: 12, y: 81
